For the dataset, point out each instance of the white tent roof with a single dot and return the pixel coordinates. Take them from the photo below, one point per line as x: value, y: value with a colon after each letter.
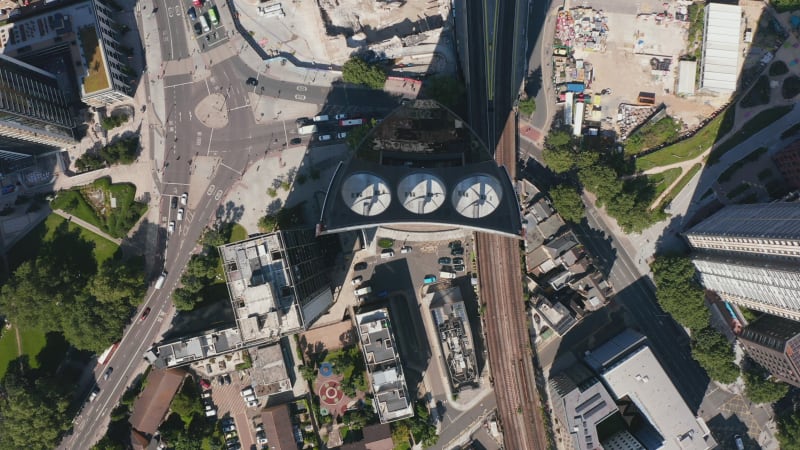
x: 721, y: 47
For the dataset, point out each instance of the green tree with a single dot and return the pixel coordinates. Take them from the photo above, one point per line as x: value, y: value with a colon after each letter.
x: 187, y: 403
x: 185, y: 300
x: 32, y: 413
x: 789, y: 432
x: 357, y: 420
x: 267, y: 223
x: 715, y: 355
x: 213, y: 237
x: 527, y: 106
x: 678, y: 293
x: 401, y: 433
x: 118, y: 281
x: 568, y: 203
x: 758, y: 388
x: 558, y: 139
x: 308, y: 373
x: 559, y: 160
x: 357, y: 71
x: 108, y: 444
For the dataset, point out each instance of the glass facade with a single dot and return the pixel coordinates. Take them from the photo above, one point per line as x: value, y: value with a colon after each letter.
x: 32, y: 108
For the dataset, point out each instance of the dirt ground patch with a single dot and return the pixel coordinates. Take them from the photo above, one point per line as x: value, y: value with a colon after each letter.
x: 330, y: 337
x: 625, y: 67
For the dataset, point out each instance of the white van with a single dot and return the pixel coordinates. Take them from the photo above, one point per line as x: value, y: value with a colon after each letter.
x: 250, y: 398
x: 204, y: 23
x: 363, y: 291
x: 447, y: 275
x: 321, y: 118
x: 211, y: 413
x: 160, y: 280
x: 246, y: 392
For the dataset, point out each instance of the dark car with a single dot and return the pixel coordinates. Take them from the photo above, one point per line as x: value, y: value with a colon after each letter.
x: 458, y: 251
x: 360, y: 266
x: 228, y: 379
x: 302, y: 121
x: 145, y: 313
x: 198, y: 29
x: 296, y: 141
x: 458, y: 261
x: 454, y: 244
x: 383, y: 294
x: 221, y: 380
x: 252, y: 81
x: 444, y: 260
x: 192, y: 14
x: 174, y: 202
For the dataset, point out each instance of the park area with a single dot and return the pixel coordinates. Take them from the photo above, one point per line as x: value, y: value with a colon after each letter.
x: 111, y: 207
x: 17, y: 341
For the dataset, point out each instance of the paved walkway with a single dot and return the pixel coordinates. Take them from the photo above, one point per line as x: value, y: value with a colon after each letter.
x: 87, y: 225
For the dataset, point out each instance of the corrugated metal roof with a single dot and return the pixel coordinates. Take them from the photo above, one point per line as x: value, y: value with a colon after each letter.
x: 769, y: 220
x: 687, y: 76
x: 721, y: 47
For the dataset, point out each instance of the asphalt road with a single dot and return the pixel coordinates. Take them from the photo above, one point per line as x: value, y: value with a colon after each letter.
x: 172, y: 23
x: 237, y: 145
x: 636, y: 294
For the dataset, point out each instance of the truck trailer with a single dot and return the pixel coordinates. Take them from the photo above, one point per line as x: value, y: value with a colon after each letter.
x: 307, y: 129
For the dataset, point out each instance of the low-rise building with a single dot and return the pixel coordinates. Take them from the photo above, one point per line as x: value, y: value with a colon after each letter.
x: 384, y: 367
x: 455, y: 337
x: 278, y: 427
x: 268, y: 374
x: 151, y: 407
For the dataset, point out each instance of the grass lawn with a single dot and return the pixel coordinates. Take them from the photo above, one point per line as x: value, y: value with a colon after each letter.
x: 103, y: 248
x: 73, y: 202
x: 661, y: 181
x: 8, y: 350
x: 96, y: 79
x: 28, y: 246
x: 754, y: 125
x: 681, y: 184
x: 238, y: 233
x: 33, y: 341
x: 116, y: 221
x: 684, y: 150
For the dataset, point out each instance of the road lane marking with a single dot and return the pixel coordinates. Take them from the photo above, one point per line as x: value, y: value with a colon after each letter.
x: 302, y: 88
x: 229, y: 167
x: 210, y: 190
x: 299, y: 97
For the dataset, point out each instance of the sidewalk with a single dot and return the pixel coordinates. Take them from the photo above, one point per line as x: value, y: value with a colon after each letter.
x: 87, y: 225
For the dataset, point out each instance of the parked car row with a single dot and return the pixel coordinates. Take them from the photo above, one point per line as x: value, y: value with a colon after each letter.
x: 230, y: 433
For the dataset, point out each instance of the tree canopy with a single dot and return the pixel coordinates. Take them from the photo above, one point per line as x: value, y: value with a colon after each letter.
x: 678, y: 293
x: 527, y: 106
x: 358, y: 71
x: 568, y: 203
x: 63, y: 290
x: 200, y: 272
x: 758, y: 388
x: 33, y: 413
x: 446, y: 90
x: 715, y: 354
x: 789, y: 432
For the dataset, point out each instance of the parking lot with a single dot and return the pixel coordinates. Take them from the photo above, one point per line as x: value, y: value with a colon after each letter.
x: 229, y: 403
x: 206, y: 24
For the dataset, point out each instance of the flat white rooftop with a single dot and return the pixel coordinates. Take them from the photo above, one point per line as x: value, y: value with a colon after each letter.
x: 640, y: 377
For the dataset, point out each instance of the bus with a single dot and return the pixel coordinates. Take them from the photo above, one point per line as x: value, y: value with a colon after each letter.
x: 212, y: 14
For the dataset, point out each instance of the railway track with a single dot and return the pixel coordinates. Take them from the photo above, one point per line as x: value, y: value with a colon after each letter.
x: 508, y: 342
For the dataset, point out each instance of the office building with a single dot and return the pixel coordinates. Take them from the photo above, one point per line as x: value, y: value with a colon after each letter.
x: 750, y: 256
x: 774, y: 342
x: 80, y: 43
x: 34, y: 114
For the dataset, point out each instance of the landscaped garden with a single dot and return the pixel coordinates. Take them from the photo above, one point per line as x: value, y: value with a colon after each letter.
x: 110, y: 207
x: 751, y: 127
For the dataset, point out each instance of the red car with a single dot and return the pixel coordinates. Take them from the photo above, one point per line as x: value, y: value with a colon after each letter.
x: 204, y: 384
x: 145, y: 313
x: 197, y: 3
